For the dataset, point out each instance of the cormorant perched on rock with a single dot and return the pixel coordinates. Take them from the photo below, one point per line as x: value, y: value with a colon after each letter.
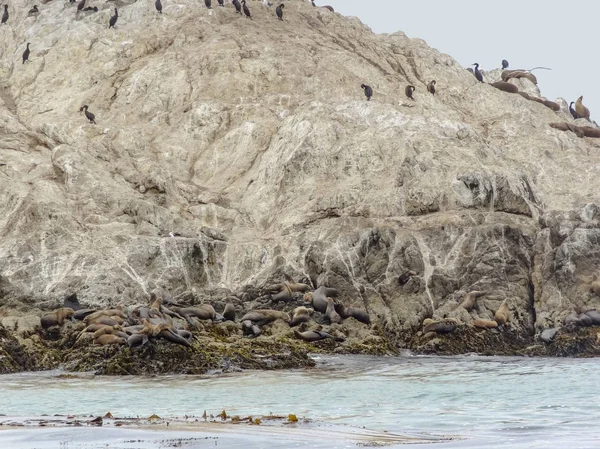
x: 208, y: 3
x: 5, y: 15
x: 572, y: 111
x: 431, y: 87
x: 477, y: 73
x: 34, y: 10
x: 238, y: 7
x: 408, y: 90
x: 246, y: 9
x: 504, y: 64
x: 221, y: 3
x: 313, y: 2
x: 81, y: 5
x: 113, y: 20
x: 368, y: 91
x: 26, y: 53
x: 279, y: 11
x: 91, y: 117
x: 158, y: 6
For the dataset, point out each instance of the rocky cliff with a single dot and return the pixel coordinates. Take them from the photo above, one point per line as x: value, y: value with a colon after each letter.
x: 230, y: 152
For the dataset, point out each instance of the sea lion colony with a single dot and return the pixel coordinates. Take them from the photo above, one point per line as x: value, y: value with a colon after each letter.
x: 164, y: 318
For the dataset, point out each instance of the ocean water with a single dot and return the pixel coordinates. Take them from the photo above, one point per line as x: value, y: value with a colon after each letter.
x: 480, y: 402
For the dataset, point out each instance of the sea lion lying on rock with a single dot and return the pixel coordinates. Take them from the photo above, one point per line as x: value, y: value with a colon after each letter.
x: 56, y: 318
x: 202, y: 312
x: 318, y: 298
x: 470, y: 299
x: 506, y: 87
x: 301, y: 315
x: 287, y: 289
x: 80, y: 314
x: 445, y: 326
x: 354, y: 312
x: 105, y: 340
x: 508, y: 74
x: 548, y: 335
x: 262, y: 317
x: 485, y: 324
x: 316, y: 335
x: 249, y: 329
x: 113, y: 313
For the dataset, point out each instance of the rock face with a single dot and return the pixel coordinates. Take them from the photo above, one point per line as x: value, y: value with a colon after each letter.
x: 229, y: 152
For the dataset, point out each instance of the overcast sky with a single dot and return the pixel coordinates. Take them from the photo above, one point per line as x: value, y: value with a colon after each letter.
x: 562, y: 35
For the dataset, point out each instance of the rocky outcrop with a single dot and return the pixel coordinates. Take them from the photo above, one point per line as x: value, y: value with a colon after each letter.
x: 229, y: 153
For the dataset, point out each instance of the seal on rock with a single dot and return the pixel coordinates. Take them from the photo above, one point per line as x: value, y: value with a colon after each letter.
x: 518, y: 74
x: 229, y: 312
x: 485, y: 324
x: 301, y: 315
x: 109, y: 339
x: 330, y: 312
x: 316, y: 335
x: 548, y: 335
x: 505, y: 87
x: 202, y: 312
x: 444, y: 326
x: 470, y: 299
x: 287, y: 289
x: 266, y: 316
x: 318, y: 298
x: 501, y: 315
x: 358, y: 314
x: 249, y: 329
x: 57, y: 317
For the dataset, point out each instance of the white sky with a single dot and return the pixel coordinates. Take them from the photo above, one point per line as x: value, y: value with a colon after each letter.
x: 558, y: 34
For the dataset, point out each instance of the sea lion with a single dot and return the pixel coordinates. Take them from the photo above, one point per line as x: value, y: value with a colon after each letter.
x: 408, y: 90
x: 117, y: 313
x: 548, y: 335
x: 108, y: 339
x: 229, y: 312
x: 112, y: 330
x: 202, y: 312
x: 581, y: 110
x: 572, y: 111
x: 72, y: 302
x: 316, y: 335
x: 318, y: 298
x: 262, y: 317
x: 368, y: 91
x: 330, y: 312
x: 444, y: 326
x: 137, y: 340
x: 301, y: 315
x: 501, y: 315
x: 56, y: 318
x: 485, y: 324
x: 185, y: 334
x: 505, y: 87
x: 594, y: 316
x: 504, y: 64
x: 595, y: 285
x: 80, y: 314
x: 286, y: 290
x: 358, y: 314
x: 93, y: 328
x: 431, y: 87
x: 250, y: 329
x: 470, y: 299
x: 477, y: 73
x: 173, y: 336
x: 330, y: 8
x: 508, y: 74
x: 551, y: 104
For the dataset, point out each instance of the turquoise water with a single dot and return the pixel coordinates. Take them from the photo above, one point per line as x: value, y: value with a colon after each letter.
x: 489, y: 402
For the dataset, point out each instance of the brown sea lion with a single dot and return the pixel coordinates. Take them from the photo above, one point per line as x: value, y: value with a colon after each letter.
x: 330, y: 312
x: 301, y: 315
x: 108, y: 312
x: 137, y: 340
x: 505, y: 87
x: 108, y: 339
x: 485, y: 324
x: 80, y: 314
x: 581, y: 110
x: 318, y: 298
x: 250, y: 329
x: 173, y: 336
x: 470, y: 299
x: 501, y: 315
x: 155, y: 301
x: 229, y: 312
x: 357, y: 314
x: 444, y: 326
x: 579, y: 132
x: 315, y: 335
x: 108, y: 321
x: 508, y: 74
x: 552, y: 105
x: 56, y: 318
x: 202, y: 312
x: 262, y: 317
x: 286, y: 290
x: 113, y: 330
